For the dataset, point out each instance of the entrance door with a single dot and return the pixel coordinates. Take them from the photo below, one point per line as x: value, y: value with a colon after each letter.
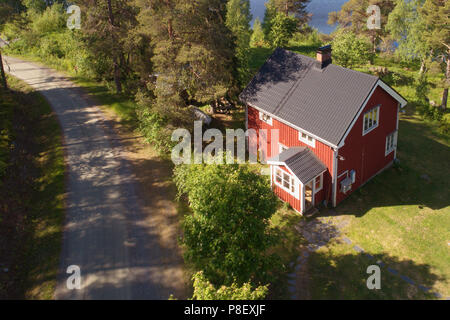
x: 309, y: 202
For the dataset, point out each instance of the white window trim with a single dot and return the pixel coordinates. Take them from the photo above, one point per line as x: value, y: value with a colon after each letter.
x: 292, y: 182
x: 261, y: 117
x: 394, y: 144
x: 321, y: 183
x: 378, y: 120
x: 281, y: 147
x: 306, y: 141
x: 353, y: 176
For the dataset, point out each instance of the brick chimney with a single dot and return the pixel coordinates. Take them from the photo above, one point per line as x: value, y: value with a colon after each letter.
x: 324, y: 56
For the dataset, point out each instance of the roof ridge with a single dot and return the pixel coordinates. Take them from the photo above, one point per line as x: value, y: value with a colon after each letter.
x: 335, y: 65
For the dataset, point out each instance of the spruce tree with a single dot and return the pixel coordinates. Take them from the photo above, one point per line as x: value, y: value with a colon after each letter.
x: 257, y: 38
x: 238, y: 20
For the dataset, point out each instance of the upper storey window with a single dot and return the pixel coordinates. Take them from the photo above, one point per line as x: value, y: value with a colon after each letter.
x: 303, y: 137
x: 371, y: 119
x: 265, y: 118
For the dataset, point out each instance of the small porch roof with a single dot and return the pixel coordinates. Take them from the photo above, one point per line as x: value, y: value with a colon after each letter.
x: 303, y: 163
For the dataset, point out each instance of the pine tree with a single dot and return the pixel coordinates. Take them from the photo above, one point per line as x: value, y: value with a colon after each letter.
x: 105, y: 29
x: 353, y: 16
x: 297, y: 8
x: 238, y: 20
x: 257, y: 38
x: 193, y: 53
x: 283, y: 13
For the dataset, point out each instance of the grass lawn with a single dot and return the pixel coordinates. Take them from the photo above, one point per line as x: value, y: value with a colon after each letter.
x: 32, y: 211
x: 398, y: 217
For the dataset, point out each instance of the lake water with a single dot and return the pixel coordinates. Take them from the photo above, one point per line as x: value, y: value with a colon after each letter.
x: 319, y: 9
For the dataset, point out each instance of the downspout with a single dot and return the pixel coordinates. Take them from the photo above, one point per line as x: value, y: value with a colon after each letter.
x: 396, y: 131
x: 334, y: 178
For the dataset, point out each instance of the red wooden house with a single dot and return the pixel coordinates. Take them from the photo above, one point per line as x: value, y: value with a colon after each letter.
x: 329, y: 129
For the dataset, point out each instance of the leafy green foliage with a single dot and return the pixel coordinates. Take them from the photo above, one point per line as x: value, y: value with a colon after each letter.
x: 228, y: 234
x: 153, y: 125
x: 407, y: 27
x: 52, y: 19
x: 204, y: 290
x: 417, y: 27
x: 350, y: 50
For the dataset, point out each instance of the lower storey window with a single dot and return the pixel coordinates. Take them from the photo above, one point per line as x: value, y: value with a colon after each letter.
x: 284, y: 180
x: 390, y: 142
x: 318, y: 183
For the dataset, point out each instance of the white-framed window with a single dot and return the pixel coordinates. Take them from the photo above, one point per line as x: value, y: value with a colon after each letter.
x: 353, y: 176
x: 318, y: 183
x: 391, y: 143
x: 265, y: 118
x: 303, y: 137
x: 282, y: 148
x: 371, y: 119
x: 284, y: 180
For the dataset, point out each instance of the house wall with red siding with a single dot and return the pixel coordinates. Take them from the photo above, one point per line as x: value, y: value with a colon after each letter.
x: 286, y: 196
x: 366, y: 154
x: 289, y: 137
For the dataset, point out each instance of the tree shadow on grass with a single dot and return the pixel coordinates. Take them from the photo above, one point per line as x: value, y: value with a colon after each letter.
x: 345, y: 276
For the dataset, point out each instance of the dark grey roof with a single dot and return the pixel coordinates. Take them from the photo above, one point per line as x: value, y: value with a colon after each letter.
x: 302, y: 162
x: 323, y: 102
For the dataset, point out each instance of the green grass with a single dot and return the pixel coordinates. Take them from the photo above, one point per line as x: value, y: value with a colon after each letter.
x: 35, y: 213
x: 401, y: 218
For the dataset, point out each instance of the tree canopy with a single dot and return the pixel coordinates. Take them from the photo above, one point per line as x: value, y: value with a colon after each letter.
x: 350, y: 50
x: 228, y: 234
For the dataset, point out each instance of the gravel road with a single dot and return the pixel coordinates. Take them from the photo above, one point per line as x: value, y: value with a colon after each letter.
x: 107, y: 232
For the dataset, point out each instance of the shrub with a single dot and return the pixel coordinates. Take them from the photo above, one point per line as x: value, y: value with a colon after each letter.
x: 204, y: 290
x: 228, y: 235
x: 444, y: 127
x: 154, y: 127
x: 53, y: 19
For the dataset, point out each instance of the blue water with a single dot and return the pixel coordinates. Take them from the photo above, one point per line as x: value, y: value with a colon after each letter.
x: 319, y: 9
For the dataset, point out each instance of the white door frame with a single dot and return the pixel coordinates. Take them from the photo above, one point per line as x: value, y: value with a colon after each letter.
x: 313, y: 186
